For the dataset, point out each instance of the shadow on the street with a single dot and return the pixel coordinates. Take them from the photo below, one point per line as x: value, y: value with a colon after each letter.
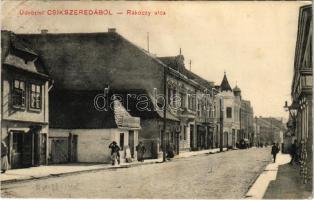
x: 288, y: 185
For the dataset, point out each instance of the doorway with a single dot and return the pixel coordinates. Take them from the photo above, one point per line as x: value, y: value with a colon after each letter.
x: 192, y: 137
x: 22, y: 154
x: 131, y: 142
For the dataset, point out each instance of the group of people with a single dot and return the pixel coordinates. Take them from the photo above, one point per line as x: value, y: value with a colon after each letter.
x: 115, y: 154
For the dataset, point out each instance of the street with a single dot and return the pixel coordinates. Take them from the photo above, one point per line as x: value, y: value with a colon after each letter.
x: 222, y: 175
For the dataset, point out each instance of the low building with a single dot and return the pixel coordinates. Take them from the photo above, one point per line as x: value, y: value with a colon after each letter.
x: 84, y: 123
x: 24, y: 105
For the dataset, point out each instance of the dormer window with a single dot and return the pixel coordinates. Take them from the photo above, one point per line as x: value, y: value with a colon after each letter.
x: 18, y: 94
x: 35, y: 96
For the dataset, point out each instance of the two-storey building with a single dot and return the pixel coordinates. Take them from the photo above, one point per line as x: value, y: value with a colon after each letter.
x: 24, y: 103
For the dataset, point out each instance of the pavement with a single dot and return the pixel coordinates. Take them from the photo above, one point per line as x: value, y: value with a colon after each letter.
x: 279, y: 180
x: 46, y: 171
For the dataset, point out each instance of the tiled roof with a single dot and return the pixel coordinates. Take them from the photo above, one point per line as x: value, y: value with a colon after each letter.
x: 90, y: 61
x: 177, y: 63
x: 77, y: 110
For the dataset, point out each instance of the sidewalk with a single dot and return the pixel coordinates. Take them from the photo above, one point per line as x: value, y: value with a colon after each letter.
x: 195, y: 153
x: 16, y: 175
x: 45, y: 171
x: 279, y: 180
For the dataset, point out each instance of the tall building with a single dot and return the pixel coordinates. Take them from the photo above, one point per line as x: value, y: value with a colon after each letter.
x: 231, y: 103
x: 301, y: 90
x: 246, y: 121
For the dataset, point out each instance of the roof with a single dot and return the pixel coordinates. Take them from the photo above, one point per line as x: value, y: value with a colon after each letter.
x: 236, y: 89
x: 225, y: 86
x: 90, y: 61
x: 140, y: 104
x: 16, y: 54
x: 77, y: 110
x: 177, y: 63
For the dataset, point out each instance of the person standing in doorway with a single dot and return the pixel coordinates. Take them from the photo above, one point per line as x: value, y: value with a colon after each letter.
x: 140, y: 148
x: 4, y: 157
x: 115, y: 155
x: 274, y: 151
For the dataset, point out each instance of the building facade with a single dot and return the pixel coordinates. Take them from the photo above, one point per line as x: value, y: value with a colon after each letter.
x: 246, y: 122
x: 270, y: 130
x: 90, y: 62
x: 24, y: 105
x: 231, y: 103
x: 301, y: 90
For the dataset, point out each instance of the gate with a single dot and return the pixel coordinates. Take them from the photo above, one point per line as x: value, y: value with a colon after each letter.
x: 59, y: 150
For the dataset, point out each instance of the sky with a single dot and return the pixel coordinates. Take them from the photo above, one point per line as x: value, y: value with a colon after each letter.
x: 253, y: 42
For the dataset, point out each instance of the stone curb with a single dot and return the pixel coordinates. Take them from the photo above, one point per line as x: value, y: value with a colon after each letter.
x: 12, y: 181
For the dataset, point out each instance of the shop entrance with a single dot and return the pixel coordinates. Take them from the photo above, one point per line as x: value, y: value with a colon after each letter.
x: 27, y: 148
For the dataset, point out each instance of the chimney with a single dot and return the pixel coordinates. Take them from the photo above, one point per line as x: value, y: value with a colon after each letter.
x: 111, y: 30
x: 44, y: 31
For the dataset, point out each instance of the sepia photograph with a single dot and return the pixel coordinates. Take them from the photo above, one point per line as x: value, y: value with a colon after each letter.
x: 156, y: 99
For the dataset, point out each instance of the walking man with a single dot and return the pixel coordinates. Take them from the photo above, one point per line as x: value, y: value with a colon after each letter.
x: 274, y: 151
x: 115, y: 152
x: 140, y: 148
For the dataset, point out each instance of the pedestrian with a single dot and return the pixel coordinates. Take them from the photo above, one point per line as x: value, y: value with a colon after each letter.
x: 115, y: 155
x: 293, y: 152
x: 140, y: 148
x: 128, y: 156
x: 274, y: 151
x: 278, y: 146
x: 4, y: 157
x: 170, y: 151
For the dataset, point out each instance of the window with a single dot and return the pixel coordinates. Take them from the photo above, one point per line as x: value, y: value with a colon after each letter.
x: 121, y: 141
x: 35, y: 96
x: 199, y: 107
x: 174, y: 97
x: 18, y: 94
x: 182, y: 100
x: 229, y: 112
x: 191, y: 102
x: 169, y: 96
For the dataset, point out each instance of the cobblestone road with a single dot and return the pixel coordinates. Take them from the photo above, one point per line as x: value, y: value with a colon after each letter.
x: 222, y: 175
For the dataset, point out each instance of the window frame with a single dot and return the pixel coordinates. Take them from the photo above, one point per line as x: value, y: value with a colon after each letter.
x: 23, y: 95
x: 229, y: 111
x: 31, y: 92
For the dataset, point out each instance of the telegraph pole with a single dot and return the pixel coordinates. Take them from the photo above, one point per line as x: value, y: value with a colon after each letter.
x: 165, y: 115
x: 221, y: 125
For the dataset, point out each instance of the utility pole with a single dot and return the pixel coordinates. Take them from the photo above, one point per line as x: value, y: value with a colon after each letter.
x: 163, y: 133
x: 258, y: 142
x: 221, y: 125
x: 271, y: 129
